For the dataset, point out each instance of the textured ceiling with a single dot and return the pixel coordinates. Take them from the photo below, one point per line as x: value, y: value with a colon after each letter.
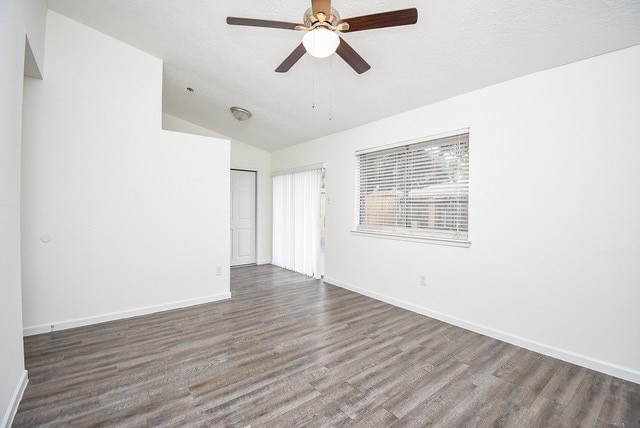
x: 456, y: 46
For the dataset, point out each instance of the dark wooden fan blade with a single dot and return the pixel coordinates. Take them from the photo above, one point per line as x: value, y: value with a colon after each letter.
x: 382, y: 20
x: 260, y: 23
x: 351, y: 57
x: 323, y: 6
x: 291, y: 59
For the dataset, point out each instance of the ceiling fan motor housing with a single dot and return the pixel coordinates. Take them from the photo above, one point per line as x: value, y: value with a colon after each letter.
x: 309, y: 19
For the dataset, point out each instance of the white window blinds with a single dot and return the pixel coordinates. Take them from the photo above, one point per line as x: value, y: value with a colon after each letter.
x: 419, y: 189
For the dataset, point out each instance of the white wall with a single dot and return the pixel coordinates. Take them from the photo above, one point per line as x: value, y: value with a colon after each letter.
x: 14, y: 19
x: 35, y: 23
x: 554, y: 263
x: 138, y: 215
x: 243, y: 156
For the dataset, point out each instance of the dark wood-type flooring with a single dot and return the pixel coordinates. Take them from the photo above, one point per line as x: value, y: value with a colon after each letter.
x: 287, y: 350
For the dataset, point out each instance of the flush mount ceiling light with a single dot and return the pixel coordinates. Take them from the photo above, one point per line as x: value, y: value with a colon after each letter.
x: 320, y: 42
x: 240, y: 113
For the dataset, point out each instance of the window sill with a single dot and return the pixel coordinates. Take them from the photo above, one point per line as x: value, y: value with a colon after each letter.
x: 426, y: 240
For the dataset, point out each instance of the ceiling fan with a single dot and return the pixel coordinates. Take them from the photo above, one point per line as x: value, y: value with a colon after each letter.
x: 323, y: 25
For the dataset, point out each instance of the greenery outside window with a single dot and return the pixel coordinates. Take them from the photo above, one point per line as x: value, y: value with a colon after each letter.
x: 419, y: 189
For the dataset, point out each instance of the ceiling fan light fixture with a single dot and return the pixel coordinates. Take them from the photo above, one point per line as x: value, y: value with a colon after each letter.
x: 320, y: 42
x: 240, y: 113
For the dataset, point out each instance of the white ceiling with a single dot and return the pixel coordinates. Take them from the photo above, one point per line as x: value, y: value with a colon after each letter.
x: 456, y: 46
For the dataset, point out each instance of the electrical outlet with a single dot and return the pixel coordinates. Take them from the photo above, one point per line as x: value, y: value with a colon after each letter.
x: 218, y: 270
x: 423, y: 281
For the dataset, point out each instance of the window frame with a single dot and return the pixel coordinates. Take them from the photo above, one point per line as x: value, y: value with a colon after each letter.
x: 412, y: 236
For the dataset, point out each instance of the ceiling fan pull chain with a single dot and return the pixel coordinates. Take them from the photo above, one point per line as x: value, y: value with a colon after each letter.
x: 331, y: 87
x: 313, y: 88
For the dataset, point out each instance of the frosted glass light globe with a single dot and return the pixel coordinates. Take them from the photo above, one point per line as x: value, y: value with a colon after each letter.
x: 321, y: 42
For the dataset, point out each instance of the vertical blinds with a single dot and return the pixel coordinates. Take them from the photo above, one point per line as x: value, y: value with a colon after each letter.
x: 296, y: 221
x: 420, y: 189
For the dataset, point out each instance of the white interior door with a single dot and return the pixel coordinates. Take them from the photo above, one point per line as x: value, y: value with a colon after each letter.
x: 243, y: 217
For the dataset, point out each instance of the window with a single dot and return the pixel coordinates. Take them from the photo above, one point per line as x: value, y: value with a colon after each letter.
x: 419, y: 189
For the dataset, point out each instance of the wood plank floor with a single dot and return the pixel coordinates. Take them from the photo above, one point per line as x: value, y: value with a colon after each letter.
x: 287, y: 350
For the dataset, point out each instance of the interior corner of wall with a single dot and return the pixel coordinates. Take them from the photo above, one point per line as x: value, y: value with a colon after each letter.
x: 31, y: 66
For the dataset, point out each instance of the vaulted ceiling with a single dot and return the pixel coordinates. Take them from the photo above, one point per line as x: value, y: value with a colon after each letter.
x: 457, y: 46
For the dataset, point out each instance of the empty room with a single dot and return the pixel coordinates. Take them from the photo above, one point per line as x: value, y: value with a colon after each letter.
x: 319, y: 213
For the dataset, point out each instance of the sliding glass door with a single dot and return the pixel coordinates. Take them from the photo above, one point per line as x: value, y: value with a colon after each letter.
x: 296, y: 221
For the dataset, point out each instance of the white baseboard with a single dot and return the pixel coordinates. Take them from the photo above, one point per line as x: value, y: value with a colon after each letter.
x: 552, y: 351
x: 10, y: 413
x: 79, y: 322
x: 264, y: 262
